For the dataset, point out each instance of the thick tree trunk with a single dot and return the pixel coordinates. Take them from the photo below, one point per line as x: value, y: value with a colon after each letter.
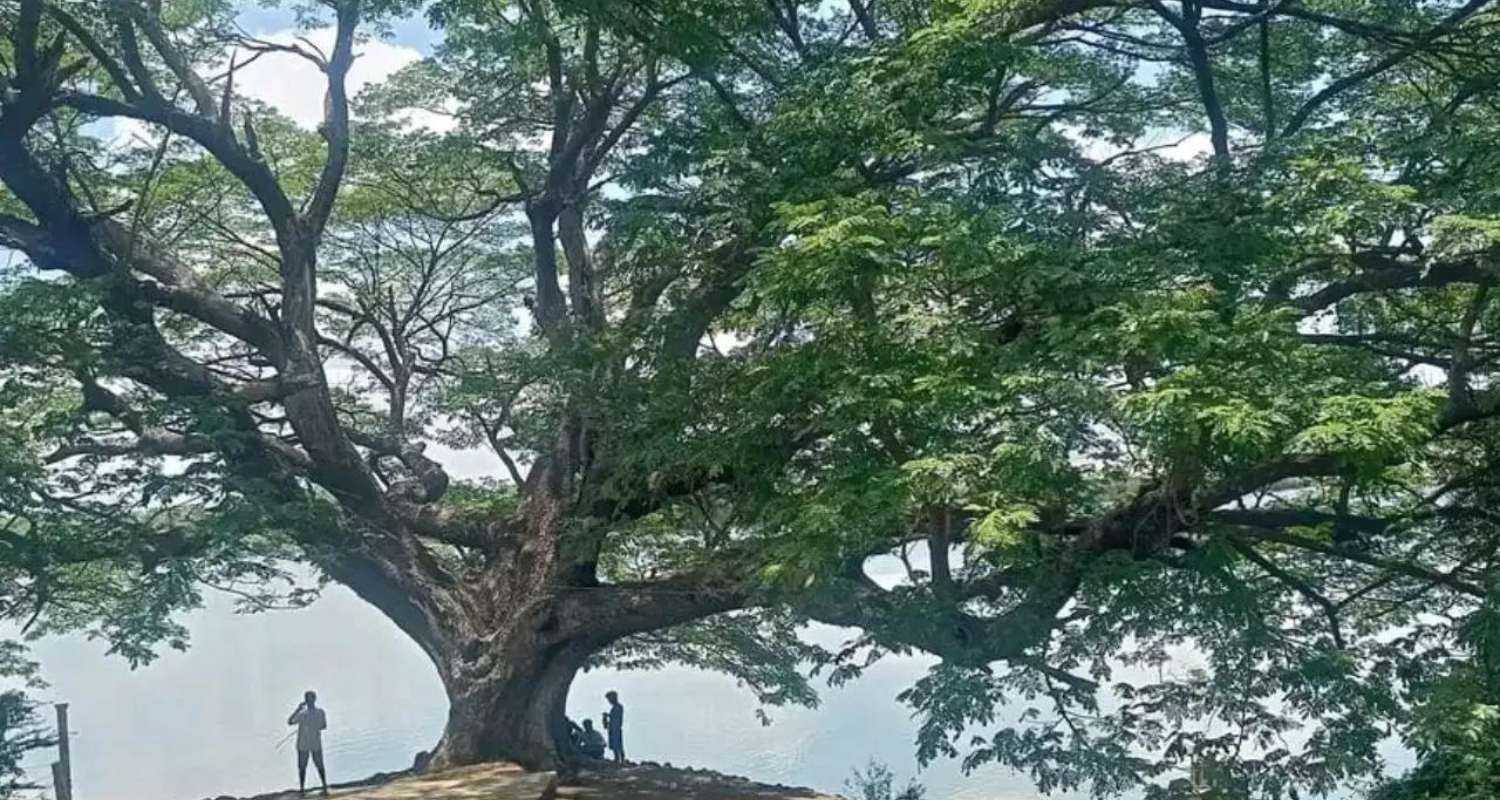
x: 514, y: 712
x: 508, y: 686
x: 505, y: 659
x: 508, y: 643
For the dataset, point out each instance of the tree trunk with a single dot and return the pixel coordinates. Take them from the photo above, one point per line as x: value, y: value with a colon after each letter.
x: 507, y: 644
x: 508, y: 687
x: 516, y: 711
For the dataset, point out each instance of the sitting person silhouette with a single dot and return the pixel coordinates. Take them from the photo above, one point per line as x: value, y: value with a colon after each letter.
x: 591, y: 742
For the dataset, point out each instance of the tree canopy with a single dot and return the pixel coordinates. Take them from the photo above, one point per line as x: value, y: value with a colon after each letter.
x: 1154, y: 339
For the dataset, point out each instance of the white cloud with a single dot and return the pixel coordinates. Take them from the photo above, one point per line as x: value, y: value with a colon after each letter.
x: 292, y: 85
x: 295, y: 87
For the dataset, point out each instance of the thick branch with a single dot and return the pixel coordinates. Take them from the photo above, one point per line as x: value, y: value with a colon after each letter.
x: 335, y: 128
x: 1197, y: 51
x: 1380, y: 273
x: 1450, y: 23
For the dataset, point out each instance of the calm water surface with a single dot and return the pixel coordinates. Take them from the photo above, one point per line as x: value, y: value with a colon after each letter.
x: 207, y: 722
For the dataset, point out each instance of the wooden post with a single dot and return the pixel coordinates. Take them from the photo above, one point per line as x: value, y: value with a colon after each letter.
x: 62, y: 769
x: 58, y: 781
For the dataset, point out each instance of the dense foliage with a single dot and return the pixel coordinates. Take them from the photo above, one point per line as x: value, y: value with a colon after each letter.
x: 22, y: 732
x: 1152, y: 339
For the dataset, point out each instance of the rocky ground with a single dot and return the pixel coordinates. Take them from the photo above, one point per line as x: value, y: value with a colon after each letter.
x: 645, y: 781
x: 648, y: 781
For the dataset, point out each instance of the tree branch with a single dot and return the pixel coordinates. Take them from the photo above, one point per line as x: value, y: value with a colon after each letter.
x: 1301, y: 586
x: 335, y: 127
x: 1304, y: 112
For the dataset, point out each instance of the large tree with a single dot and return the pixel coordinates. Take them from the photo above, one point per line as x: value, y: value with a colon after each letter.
x: 200, y: 317
x: 743, y: 294
x: 1227, y: 413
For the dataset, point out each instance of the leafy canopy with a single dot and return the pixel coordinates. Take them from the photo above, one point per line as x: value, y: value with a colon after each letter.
x: 1154, y: 341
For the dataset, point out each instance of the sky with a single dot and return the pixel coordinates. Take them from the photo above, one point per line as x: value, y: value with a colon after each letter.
x: 411, y: 32
x: 295, y: 87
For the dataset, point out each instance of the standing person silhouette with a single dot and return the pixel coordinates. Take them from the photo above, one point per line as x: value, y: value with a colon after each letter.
x: 310, y: 721
x: 614, y: 725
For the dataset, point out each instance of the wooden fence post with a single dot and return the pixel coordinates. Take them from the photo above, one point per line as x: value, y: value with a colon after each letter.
x: 62, y: 769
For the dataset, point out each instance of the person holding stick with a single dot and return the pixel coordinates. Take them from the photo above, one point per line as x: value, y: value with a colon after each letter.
x: 310, y: 721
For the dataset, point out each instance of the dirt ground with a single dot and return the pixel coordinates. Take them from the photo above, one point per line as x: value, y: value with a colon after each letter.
x: 656, y: 782
x: 500, y: 781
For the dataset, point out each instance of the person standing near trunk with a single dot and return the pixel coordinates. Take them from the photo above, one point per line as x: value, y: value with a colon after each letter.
x: 310, y: 721
x: 614, y: 725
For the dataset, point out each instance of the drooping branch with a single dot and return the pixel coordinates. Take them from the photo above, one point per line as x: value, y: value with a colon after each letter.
x: 1400, y: 567
x: 241, y: 161
x: 1330, y: 610
x: 398, y: 576
x: 955, y: 635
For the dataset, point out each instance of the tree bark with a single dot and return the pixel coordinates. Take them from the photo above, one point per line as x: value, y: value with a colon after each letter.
x: 507, y: 647
x: 516, y: 711
x: 508, y: 686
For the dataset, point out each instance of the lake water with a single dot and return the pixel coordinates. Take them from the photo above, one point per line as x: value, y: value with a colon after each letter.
x: 207, y: 722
